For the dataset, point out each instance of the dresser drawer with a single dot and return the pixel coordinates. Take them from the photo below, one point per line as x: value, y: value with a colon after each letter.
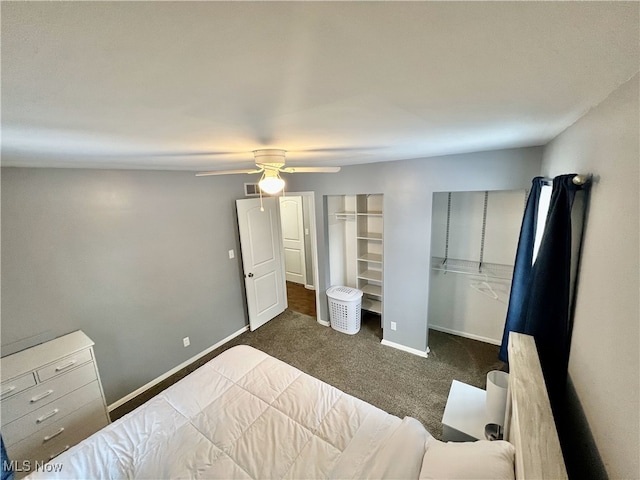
x: 16, y: 385
x: 35, y: 450
x: 64, y: 365
x: 29, y: 400
x: 42, y: 417
x: 60, y: 435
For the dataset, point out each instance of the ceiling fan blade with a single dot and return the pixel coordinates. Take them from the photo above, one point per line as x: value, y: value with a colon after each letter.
x: 337, y: 149
x: 176, y: 153
x: 228, y: 172
x: 198, y: 154
x: 310, y: 169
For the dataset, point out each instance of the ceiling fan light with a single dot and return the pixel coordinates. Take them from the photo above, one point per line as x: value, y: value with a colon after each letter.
x: 271, y: 184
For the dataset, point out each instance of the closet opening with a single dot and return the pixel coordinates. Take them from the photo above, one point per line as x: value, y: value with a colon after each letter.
x: 474, y: 237
x: 355, y: 232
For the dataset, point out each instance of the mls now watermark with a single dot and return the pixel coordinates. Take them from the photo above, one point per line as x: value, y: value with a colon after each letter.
x: 29, y: 466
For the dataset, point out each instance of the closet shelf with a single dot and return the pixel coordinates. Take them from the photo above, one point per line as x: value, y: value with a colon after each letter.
x: 372, y: 305
x: 345, y: 215
x: 369, y: 236
x: 349, y: 215
x: 369, y: 289
x: 471, y: 267
x: 374, y: 275
x: 371, y: 257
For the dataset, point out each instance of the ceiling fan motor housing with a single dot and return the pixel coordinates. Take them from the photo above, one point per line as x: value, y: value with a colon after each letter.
x: 270, y: 157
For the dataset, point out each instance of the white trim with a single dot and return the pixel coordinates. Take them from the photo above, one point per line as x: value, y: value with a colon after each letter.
x: 184, y: 364
x: 323, y: 322
x: 309, y: 287
x: 414, y: 351
x: 472, y: 336
x: 311, y: 197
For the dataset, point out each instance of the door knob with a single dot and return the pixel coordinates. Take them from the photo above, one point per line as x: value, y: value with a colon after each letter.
x: 250, y: 275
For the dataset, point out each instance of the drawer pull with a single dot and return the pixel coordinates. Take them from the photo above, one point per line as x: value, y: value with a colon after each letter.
x: 47, y: 415
x: 53, y: 435
x: 66, y: 365
x: 53, y: 455
x: 37, y: 398
x: 8, y: 390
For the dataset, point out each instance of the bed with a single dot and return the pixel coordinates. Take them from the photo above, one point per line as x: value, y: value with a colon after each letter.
x: 248, y: 415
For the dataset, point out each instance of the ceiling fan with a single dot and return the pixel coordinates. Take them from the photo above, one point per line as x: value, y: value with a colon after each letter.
x: 271, y: 162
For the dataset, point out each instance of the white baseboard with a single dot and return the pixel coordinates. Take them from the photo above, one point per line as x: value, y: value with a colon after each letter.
x: 472, y: 336
x: 310, y: 287
x: 184, y: 364
x: 414, y: 351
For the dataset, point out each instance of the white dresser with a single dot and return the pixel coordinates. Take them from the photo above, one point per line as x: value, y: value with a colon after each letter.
x: 51, y: 398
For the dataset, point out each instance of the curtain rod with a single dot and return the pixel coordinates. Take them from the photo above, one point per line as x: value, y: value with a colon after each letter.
x: 579, y: 179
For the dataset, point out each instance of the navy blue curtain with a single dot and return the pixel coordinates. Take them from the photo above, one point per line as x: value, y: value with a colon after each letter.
x: 543, y: 307
x: 522, y: 268
x: 546, y: 310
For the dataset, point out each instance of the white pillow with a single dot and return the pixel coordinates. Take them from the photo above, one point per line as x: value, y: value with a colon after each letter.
x: 468, y: 460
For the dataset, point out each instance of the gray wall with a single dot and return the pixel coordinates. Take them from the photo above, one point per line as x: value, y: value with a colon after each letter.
x: 408, y: 187
x: 136, y: 259
x: 604, y: 365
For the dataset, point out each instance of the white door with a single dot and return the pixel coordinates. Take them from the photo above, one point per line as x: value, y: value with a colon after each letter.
x: 261, y: 244
x: 293, y: 239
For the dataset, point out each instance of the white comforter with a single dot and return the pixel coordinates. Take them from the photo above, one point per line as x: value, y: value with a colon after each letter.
x: 246, y: 414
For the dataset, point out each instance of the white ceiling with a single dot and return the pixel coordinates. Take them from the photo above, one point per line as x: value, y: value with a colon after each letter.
x: 175, y: 85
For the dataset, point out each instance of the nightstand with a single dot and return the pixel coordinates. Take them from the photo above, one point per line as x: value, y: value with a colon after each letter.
x: 464, y: 416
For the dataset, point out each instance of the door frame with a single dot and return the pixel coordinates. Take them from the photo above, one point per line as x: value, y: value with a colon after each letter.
x: 310, y: 196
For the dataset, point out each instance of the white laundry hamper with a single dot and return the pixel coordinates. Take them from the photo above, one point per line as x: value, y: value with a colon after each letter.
x: 345, y: 309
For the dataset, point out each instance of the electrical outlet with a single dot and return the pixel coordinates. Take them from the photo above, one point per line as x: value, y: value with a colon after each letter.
x: 393, y: 325
x: 186, y: 342
x: 232, y: 254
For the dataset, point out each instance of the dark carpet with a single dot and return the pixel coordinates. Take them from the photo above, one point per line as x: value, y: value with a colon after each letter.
x: 395, y: 381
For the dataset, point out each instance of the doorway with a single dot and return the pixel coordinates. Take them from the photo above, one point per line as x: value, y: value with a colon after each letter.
x: 300, y: 256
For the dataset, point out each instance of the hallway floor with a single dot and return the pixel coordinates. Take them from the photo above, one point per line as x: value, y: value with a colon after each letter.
x: 301, y: 299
